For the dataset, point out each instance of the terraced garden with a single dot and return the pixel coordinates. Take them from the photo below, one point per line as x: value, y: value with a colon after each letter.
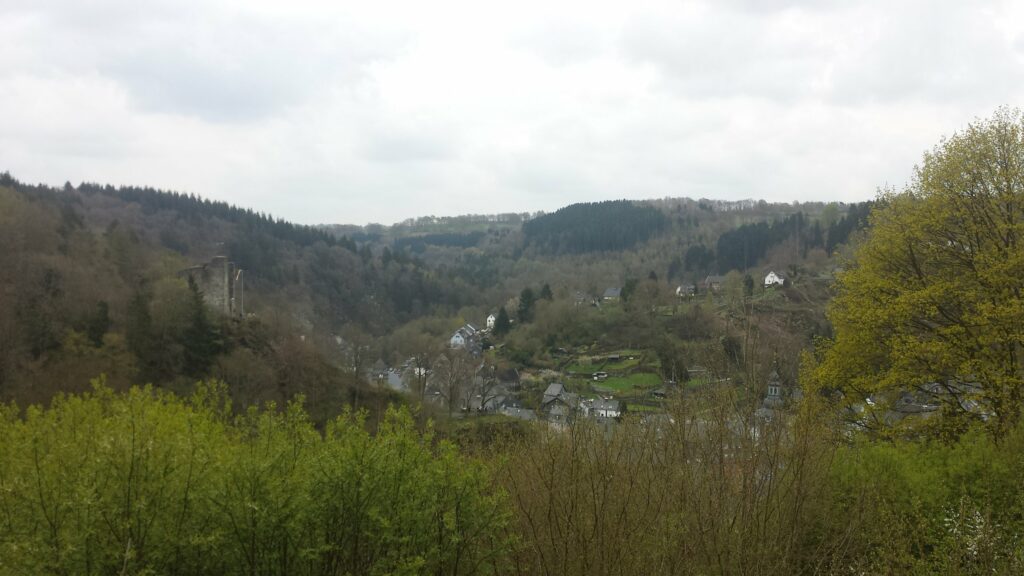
x: 632, y: 375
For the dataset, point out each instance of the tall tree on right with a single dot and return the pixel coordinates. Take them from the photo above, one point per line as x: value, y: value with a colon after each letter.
x: 453, y: 374
x: 201, y: 343
x: 502, y: 324
x: 932, y: 299
x: 526, y: 301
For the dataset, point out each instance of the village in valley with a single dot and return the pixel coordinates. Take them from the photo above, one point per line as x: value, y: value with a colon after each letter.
x: 586, y: 382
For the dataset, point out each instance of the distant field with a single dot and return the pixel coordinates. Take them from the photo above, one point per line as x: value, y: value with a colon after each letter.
x: 629, y: 383
x: 582, y: 368
x: 624, y: 364
x: 599, y: 362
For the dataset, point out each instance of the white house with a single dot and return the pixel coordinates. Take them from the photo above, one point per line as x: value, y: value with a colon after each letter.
x: 458, y: 340
x: 464, y: 337
x: 685, y: 290
x: 773, y: 279
x: 490, y: 321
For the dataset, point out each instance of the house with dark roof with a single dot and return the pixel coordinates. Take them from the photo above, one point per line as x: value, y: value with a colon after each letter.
x: 927, y: 400
x: 612, y: 294
x: 714, y: 283
x: 558, y: 405
x: 609, y: 408
x: 686, y: 290
x: 467, y: 338
x: 517, y: 411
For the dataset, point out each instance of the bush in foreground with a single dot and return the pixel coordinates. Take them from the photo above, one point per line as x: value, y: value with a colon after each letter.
x: 145, y: 482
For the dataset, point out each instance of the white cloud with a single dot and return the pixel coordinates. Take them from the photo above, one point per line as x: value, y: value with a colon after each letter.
x: 356, y: 112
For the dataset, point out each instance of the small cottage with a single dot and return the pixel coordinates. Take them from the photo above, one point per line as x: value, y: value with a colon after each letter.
x: 714, y: 283
x: 773, y: 279
x: 686, y: 290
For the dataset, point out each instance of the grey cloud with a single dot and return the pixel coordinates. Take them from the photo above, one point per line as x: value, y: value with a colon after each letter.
x: 848, y: 53
x: 201, y: 60
x: 192, y: 85
x: 407, y: 147
x: 563, y: 43
x: 768, y: 6
x: 950, y: 51
x: 722, y: 54
x: 242, y: 69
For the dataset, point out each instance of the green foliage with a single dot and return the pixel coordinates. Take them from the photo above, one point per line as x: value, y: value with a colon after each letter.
x: 200, y: 340
x: 671, y: 359
x: 628, y: 288
x: 694, y: 495
x: 502, y: 323
x: 418, y: 244
x: 839, y: 231
x: 934, y: 293
x: 594, y: 227
x: 745, y: 246
x: 930, y: 508
x: 526, y: 304
x: 545, y: 292
x: 139, y: 330
x: 732, y: 348
x: 145, y: 482
x: 98, y: 262
x: 98, y: 323
x: 698, y: 258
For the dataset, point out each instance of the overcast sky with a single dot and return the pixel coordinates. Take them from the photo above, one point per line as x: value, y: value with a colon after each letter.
x: 376, y: 111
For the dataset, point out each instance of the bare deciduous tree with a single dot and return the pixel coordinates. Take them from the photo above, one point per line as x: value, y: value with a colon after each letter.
x: 452, y: 374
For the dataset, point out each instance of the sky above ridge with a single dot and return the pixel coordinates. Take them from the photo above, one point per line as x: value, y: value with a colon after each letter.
x: 357, y: 112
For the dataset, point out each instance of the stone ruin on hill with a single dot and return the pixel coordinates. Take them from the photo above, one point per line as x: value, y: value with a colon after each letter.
x: 220, y: 282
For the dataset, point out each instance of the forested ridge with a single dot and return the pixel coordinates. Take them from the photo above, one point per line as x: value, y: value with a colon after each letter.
x: 91, y: 285
x: 594, y: 227
x: 744, y: 246
x: 91, y: 271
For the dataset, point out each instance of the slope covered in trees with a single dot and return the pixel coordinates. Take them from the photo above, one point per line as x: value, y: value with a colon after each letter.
x: 594, y: 227
x: 91, y: 272
x: 89, y: 278
x: 743, y: 247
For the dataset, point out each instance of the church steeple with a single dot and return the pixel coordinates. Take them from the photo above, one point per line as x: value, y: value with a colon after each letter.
x: 773, y: 397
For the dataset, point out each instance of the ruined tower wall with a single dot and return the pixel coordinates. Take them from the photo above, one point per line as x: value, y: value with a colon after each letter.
x: 217, y: 291
x: 238, y: 294
x: 220, y: 283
